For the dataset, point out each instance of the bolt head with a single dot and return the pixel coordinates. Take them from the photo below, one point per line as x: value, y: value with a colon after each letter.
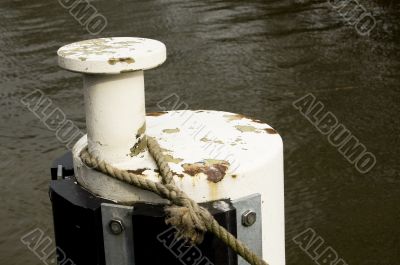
x: 116, y: 226
x: 249, y: 218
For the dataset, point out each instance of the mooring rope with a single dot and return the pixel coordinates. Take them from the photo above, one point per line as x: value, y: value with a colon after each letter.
x: 191, y: 220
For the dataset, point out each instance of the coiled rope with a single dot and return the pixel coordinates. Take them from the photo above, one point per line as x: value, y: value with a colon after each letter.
x: 191, y: 220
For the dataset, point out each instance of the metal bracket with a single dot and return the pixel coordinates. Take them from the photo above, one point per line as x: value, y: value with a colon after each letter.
x: 118, y: 243
x: 249, y: 233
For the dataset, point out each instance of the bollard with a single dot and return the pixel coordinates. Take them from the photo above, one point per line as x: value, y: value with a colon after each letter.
x: 114, y: 90
x: 228, y: 163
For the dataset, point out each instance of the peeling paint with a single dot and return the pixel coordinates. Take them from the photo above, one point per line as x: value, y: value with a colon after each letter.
x: 156, y: 114
x: 171, y: 159
x: 270, y: 131
x: 127, y: 60
x: 127, y: 71
x: 205, y: 139
x: 139, y: 147
x: 138, y: 171
x: 177, y: 174
x: 247, y: 128
x: 171, y: 130
x: 215, y: 170
x: 141, y: 131
x: 234, y: 117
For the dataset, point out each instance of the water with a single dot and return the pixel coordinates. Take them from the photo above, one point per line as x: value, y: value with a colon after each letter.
x: 251, y: 57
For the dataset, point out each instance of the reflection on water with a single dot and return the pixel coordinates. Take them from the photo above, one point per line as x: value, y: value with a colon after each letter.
x: 252, y: 57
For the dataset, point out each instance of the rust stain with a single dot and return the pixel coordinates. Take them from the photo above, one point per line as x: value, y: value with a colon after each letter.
x: 156, y: 113
x: 234, y: 176
x: 270, y: 131
x: 127, y: 60
x: 171, y: 130
x: 214, y: 169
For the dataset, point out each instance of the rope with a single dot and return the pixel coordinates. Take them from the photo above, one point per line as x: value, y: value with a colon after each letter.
x: 191, y: 220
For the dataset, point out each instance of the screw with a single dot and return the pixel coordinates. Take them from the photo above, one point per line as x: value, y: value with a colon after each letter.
x: 249, y: 218
x: 116, y: 226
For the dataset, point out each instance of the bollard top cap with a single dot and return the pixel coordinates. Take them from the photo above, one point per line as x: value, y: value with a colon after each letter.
x: 112, y: 55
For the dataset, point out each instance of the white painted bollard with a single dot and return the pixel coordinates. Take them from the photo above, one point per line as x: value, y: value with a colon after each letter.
x: 215, y: 155
x: 114, y: 91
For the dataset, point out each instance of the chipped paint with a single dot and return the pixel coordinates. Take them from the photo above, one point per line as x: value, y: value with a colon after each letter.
x: 205, y: 139
x: 270, y: 131
x: 177, y: 174
x: 171, y: 130
x: 156, y: 113
x: 247, y: 128
x: 127, y: 71
x: 234, y: 117
x: 141, y: 131
x: 215, y: 170
x: 127, y: 60
x: 139, y: 147
x: 138, y: 171
x: 171, y: 159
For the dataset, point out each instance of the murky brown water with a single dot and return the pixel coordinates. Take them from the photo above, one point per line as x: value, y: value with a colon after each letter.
x: 251, y: 57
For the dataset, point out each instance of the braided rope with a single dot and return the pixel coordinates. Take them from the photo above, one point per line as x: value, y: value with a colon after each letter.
x: 191, y: 220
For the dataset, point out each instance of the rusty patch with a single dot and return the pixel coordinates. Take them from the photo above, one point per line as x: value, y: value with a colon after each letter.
x: 127, y: 60
x: 138, y: 171
x: 139, y: 147
x: 156, y: 113
x: 214, y: 169
x: 171, y: 130
x: 270, y: 131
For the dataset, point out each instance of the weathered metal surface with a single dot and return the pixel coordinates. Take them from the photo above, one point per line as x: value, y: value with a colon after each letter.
x: 249, y: 234
x: 255, y: 166
x: 118, y: 241
x: 112, y: 55
x: 114, y: 91
x: 215, y: 155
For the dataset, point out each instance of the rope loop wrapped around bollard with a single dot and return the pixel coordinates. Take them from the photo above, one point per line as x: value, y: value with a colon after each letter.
x: 191, y: 220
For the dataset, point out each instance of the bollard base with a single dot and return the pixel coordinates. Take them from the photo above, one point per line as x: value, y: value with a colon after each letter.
x: 83, y: 235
